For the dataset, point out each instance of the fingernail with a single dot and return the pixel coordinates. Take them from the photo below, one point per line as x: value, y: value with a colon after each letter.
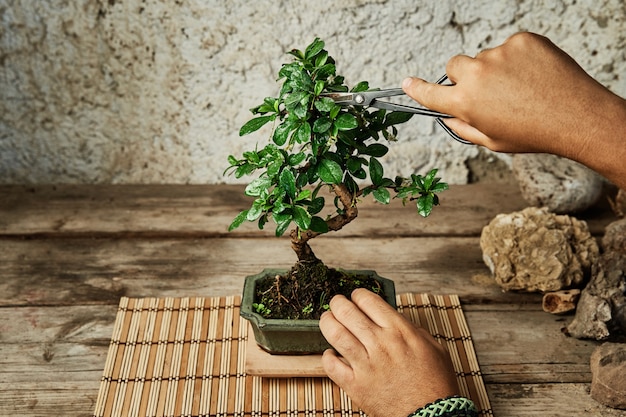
x: 406, y: 83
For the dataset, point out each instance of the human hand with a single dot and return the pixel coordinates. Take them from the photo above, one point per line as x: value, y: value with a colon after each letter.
x: 388, y: 366
x: 527, y: 95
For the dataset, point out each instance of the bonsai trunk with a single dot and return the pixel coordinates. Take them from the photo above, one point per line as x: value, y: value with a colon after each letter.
x: 300, y: 238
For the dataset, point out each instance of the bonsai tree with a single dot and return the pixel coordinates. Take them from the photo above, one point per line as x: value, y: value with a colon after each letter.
x: 315, y: 144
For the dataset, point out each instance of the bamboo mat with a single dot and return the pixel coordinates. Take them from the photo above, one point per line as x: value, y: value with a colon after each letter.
x: 182, y: 357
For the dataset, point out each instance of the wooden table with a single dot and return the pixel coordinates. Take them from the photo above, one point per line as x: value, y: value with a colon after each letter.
x: 68, y: 253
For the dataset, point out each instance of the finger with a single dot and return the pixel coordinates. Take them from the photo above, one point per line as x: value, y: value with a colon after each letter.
x: 467, y: 131
x: 337, y: 368
x: 457, y: 66
x: 430, y: 95
x: 340, y: 337
x: 357, y: 323
x: 374, y: 307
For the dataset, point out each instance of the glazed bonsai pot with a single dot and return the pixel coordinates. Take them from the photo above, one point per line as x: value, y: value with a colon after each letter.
x: 293, y: 337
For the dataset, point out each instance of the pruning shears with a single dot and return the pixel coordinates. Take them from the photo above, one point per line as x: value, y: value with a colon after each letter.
x: 372, y: 99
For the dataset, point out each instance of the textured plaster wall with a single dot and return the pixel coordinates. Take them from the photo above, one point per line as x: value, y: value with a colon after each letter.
x: 154, y: 91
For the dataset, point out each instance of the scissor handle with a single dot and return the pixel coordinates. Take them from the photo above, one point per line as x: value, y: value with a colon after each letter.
x: 439, y: 116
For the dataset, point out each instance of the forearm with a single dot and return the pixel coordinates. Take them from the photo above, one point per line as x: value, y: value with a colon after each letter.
x: 527, y: 95
x: 600, y: 144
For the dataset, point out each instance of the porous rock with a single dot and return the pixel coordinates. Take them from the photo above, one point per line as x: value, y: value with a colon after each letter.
x: 614, y: 238
x: 601, y: 311
x: 562, y: 185
x: 559, y: 302
x: 608, y: 375
x: 535, y: 250
x: 619, y: 204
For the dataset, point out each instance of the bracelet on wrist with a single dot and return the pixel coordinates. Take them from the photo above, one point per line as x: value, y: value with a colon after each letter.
x: 454, y: 406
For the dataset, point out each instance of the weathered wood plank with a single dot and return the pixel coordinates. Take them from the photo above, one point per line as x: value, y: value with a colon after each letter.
x: 554, y: 400
x: 82, y: 271
x: 511, y: 346
x: 207, y: 210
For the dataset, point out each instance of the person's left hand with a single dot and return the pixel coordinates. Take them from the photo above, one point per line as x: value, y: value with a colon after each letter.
x: 388, y: 366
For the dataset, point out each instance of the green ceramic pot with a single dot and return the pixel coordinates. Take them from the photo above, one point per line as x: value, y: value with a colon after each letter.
x: 282, y: 336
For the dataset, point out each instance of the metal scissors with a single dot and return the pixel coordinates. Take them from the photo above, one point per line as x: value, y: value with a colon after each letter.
x: 371, y: 99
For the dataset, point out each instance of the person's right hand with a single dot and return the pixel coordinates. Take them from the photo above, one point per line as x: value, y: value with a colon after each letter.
x: 387, y: 365
x: 527, y: 95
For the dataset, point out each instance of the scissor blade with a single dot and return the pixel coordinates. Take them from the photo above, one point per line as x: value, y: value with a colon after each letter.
x: 340, y: 98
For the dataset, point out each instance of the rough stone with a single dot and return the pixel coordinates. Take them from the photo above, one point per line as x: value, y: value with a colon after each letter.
x: 608, y: 370
x: 614, y: 238
x: 601, y: 311
x: 535, y: 250
x: 562, y: 185
x: 560, y: 302
x: 618, y: 204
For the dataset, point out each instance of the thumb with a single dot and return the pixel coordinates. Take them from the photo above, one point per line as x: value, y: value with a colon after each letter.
x: 430, y: 95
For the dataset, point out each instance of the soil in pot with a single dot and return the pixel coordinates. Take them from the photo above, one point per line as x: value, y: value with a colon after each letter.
x: 305, y: 291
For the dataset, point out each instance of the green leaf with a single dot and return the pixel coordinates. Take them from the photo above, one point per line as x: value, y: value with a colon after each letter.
x: 318, y: 225
x: 346, y: 122
x: 255, y: 211
x: 300, y: 111
x: 430, y: 177
x: 354, y: 164
x: 237, y: 221
x: 321, y: 58
x: 325, y: 71
x: 330, y: 172
x: 350, y: 184
x: 281, y: 133
x: 319, y: 87
x: 232, y: 160
x: 258, y: 185
x: 282, y: 221
x: 376, y: 150
x: 321, y: 125
x: 425, y: 204
x: 440, y: 186
x: 324, y: 104
x: 297, y: 53
x: 274, y: 167
x: 397, y: 117
x: 252, y: 156
x: 361, y: 86
x: 296, y: 158
x: 314, y: 48
x: 303, y: 195
x: 294, y: 99
x: 381, y: 195
x: 376, y: 171
x: 302, y: 218
x: 270, y: 104
x: 255, y: 124
x: 417, y: 180
x: 301, y: 80
x: 360, y: 174
x: 303, y: 133
x: 316, y: 205
x: 244, y: 169
x: 288, y: 182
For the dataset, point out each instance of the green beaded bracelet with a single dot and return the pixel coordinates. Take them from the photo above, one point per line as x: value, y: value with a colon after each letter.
x: 454, y: 406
